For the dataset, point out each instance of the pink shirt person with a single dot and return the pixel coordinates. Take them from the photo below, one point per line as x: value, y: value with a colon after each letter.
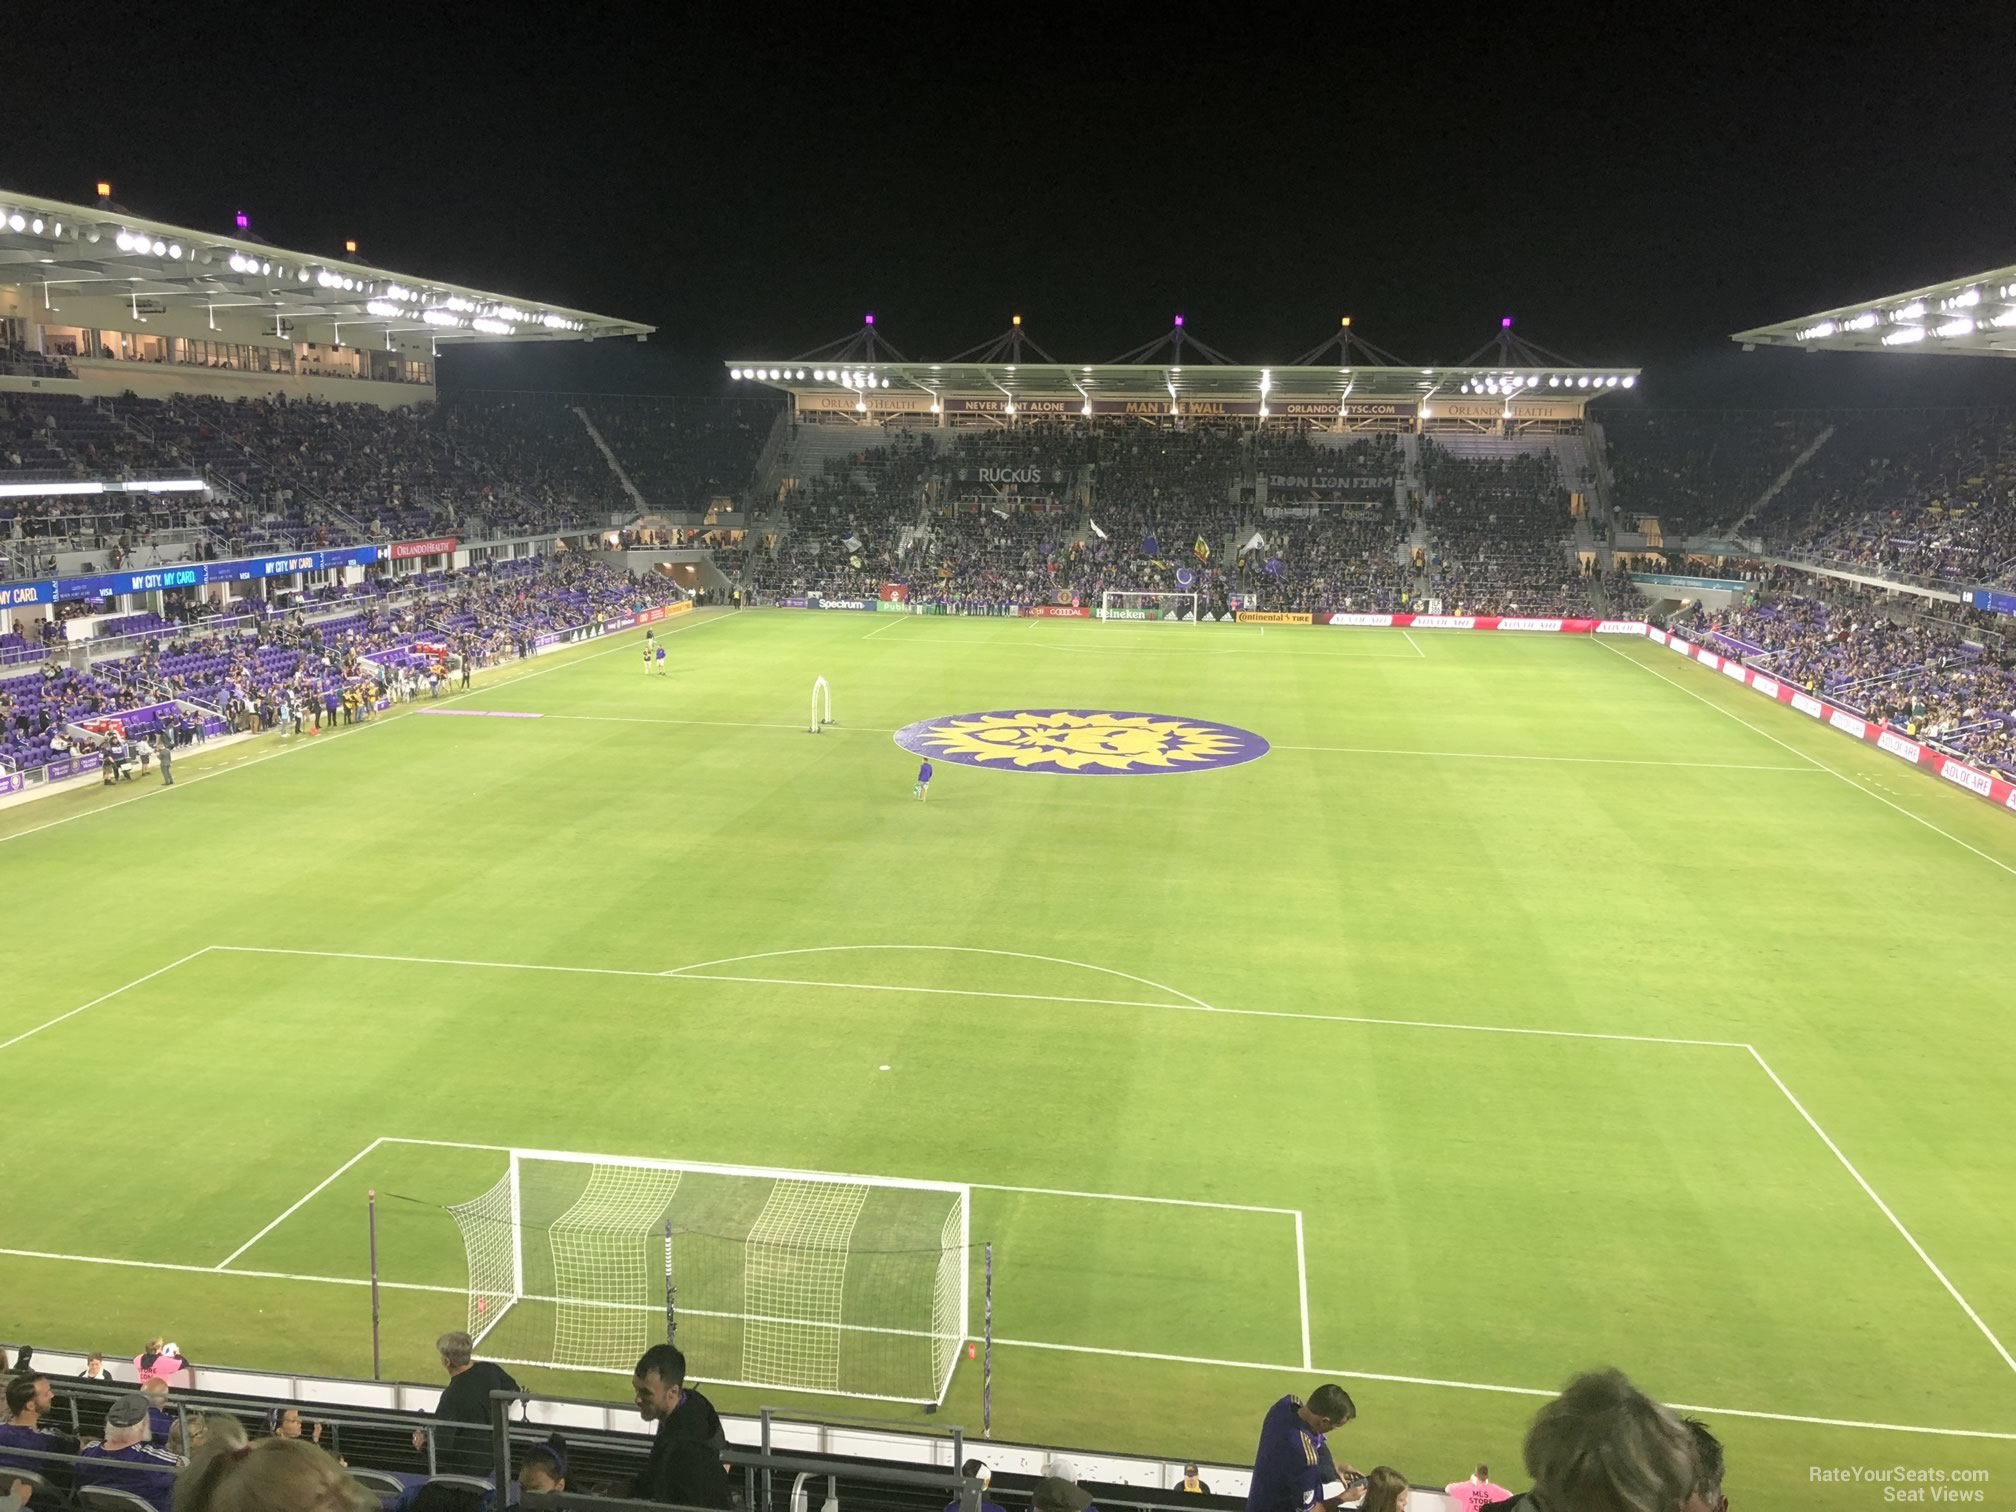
x: 1477, y: 1492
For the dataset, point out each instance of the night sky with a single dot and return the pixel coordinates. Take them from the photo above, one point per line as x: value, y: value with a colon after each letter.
x: 750, y: 179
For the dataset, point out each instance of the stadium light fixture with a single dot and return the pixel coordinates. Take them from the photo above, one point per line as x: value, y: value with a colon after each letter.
x: 1630, y: 380
x: 735, y: 374
x: 869, y: 319
x: 104, y: 190
x: 1583, y: 381
x: 303, y: 275
x: 1088, y: 408
x: 2004, y: 321
x: 175, y: 251
x: 350, y: 248
x: 1904, y: 336
x: 17, y: 221
x: 490, y: 326
x: 1966, y: 299
x: 123, y: 241
x: 1866, y: 321
x: 1905, y: 314
x: 1817, y: 332
x: 1959, y: 326
x: 383, y: 308
x: 1505, y: 323
x: 35, y: 226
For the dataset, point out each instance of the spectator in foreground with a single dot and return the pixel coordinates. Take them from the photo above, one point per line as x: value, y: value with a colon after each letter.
x: 975, y: 1469
x: 1604, y: 1446
x: 23, y: 1437
x: 464, y: 1450
x: 1478, y: 1491
x: 685, y: 1465
x: 544, y: 1467
x: 1385, y: 1491
x: 127, y: 1459
x: 1293, y: 1468
x: 273, y: 1475
x: 1709, y: 1465
x: 1053, y: 1493
x: 1191, y: 1483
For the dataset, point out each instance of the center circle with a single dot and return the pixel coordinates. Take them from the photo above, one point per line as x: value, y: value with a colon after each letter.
x: 1082, y: 742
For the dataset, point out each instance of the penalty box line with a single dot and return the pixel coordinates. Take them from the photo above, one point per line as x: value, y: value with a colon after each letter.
x: 1273, y: 1367
x: 1193, y: 1006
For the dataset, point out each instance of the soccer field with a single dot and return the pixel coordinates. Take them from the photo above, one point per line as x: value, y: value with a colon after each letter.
x: 1532, y: 1002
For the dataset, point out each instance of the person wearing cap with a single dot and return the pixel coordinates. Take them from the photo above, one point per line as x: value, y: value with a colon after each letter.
x: 975, y: 1469
x: 127, y: 1459
x: 1292, y: 1468
x: 1191, y: 1483
x: 1053, y: 1493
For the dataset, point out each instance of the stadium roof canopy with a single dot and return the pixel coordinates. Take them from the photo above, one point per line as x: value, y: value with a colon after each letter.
x: 1967, y: 317
x: 1087, y: 383
x: 92, y: 254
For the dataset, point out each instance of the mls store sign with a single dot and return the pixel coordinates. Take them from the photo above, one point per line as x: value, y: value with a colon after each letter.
x: 1082, y: 742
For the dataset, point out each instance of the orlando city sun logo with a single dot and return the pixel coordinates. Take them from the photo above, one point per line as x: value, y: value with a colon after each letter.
x: 1082, y: 742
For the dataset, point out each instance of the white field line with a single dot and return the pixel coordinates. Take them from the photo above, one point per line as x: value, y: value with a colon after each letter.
x: 1302, y: 1287
x: 313, y: 1192
x: 1191, y: 1007
x: 1273, y: 1367
x: 319, y: 741
x: 1804, y: 756
x: 1709, y: 766
x: 103, y: 998
x: 885, y: 629
x: 1409, y: 638
x: 717, y: 724
x: 1884, y: 1208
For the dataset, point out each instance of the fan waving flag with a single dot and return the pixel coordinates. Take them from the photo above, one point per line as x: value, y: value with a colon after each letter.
x: 1203, y: 551
x: 852, y: 543
x: 1150, y: 547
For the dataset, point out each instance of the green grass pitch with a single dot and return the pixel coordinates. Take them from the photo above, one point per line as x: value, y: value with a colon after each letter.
x: 1275, y: 989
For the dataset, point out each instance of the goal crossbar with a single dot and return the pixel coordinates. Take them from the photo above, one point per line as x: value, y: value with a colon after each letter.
x: 1150, y: 604
x: 821, y: 1281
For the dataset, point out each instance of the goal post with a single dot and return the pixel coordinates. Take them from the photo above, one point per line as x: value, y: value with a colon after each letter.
x: 821, y: 694
x: 854, y: 1286
x: 1129, y: 604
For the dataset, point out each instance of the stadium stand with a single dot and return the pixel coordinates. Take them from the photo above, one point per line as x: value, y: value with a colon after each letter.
x: 1693, y: 471
x: 1500, y: 526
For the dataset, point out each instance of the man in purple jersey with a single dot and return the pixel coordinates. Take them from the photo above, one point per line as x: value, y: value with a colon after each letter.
x: 922, y: 792
x: 1292, y: 1468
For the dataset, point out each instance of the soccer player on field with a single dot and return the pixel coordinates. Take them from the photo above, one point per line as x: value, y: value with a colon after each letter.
x: 922, y: 792
x: 650, y: 645
x: 661, y: 658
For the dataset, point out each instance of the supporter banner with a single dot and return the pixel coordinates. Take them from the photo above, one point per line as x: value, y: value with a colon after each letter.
x: 1326, y: 482
x: 795, y: 603
x: 1004, y: 406
x: 1995, y: 789
x: 1058, y: 611
x: 1005, y: 477
x: 1484, y: 622
x: 1291, y: 511
x: 1141, y: 407
x: 1262, y: 617
x: 897, y: 594
x: 1671, y: 580
x: 400, y: 551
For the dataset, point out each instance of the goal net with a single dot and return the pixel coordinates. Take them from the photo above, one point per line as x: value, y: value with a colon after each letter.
x: 795, y: 1280
x: 1117, y: 604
